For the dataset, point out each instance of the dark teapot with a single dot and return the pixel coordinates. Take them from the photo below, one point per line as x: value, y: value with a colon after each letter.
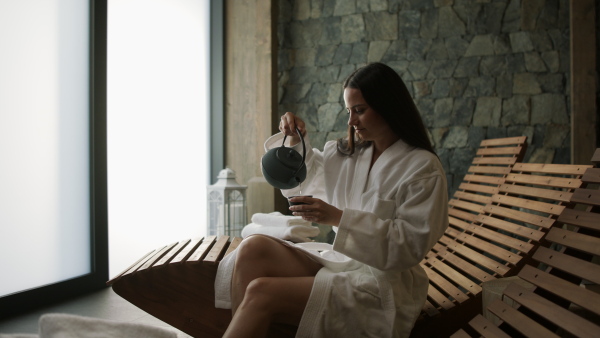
x: 283, y: 167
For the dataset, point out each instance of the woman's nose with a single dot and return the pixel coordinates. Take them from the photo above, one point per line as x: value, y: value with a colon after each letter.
x: 352, y: 120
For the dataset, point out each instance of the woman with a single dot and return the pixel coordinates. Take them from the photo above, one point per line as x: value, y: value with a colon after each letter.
x: 383, y: 190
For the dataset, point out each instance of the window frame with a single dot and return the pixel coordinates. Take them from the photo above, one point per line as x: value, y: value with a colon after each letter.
x: 44, y: 295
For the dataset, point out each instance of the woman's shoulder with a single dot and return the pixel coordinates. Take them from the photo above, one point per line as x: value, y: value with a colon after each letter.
x: 415, y: 160
x: 330, y: 149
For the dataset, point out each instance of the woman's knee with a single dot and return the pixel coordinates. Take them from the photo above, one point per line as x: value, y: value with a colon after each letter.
x: 258, y: 294
x: 254, y: 248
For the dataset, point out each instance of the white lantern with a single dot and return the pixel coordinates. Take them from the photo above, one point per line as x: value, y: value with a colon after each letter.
x: 226, y: 205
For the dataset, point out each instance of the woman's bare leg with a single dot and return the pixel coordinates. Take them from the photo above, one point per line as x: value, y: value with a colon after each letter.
x: 262, y: 256
x: 267, y: 270
x: 270, y: 299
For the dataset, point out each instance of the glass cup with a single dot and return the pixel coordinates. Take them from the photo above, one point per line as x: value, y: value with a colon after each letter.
x: 297, y: 203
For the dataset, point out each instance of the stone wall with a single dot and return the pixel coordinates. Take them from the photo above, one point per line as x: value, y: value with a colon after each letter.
x: 476, y: 68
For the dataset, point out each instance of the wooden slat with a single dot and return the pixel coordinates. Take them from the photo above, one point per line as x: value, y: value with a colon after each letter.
x: 157, y: 256
x: 449, y: 236
x: 580, y: 218
x: 586, y: 196
x: 548, y: 168
x: 141, y: 262
x: 592, y: 175
x: 437, y: 297
x: 478, y: 198
x: 548, y: 208
x: 589, y: 244
x: 480, y: 169
x: 477, y: 208
x: 494, y: 180
x: 486, y: 329
x: 466, y: 266
x: 485, y: 189
x: 547, y: 181
x: 580, y: 268
x: 495, y: 160
x: 455, y: 276
x: 503, y: 239
x: 457, y: 222
x: 596, y: 156
x: 503, y: 141
x: 480, y: 259
x: 519, y: 321
x: 233, y: 245
x: 499, y: 151
x: 555, y: 314
x: 172, y: 253
x: 467, y: 216
x: 495, y: 250
x: 445, y: 285
x: 516, y: 229
x: 437, y: 247
x: 186, y: 251
x: 557, y: 195
x: 571, y: 292
x: 202, y: 250
x: 217, y: 250
x: 517, y: 215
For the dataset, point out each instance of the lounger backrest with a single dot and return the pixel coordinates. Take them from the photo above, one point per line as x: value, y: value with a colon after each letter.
x: 490, y: 166
x: 499, y: 240
x: 559, y: 301
x: 492, y: 162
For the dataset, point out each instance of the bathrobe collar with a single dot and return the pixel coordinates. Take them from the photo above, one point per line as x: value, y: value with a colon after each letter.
x: 362, y: 174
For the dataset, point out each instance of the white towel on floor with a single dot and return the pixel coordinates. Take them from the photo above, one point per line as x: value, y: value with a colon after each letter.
x: 58, y: 325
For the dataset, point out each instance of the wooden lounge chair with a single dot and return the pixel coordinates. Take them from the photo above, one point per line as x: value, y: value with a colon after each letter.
x: 175, y: 284
x: 560, y: 302
x: 495, y: 243
x: 490, y: 166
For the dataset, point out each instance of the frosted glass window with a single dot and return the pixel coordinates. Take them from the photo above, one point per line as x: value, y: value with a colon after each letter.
x: 157, y: 125
x: 44, y: 143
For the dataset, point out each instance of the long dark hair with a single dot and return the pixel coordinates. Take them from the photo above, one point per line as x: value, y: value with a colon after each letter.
x: 385, y: 92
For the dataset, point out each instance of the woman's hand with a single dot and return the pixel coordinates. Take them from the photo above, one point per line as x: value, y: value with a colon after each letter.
x: 288, y: 125
x: 315, y: 210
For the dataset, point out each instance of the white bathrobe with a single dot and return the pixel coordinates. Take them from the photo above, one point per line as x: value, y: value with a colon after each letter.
x: 371, y: 284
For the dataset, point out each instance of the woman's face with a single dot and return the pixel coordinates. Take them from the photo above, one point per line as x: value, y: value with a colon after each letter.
x: 367, y: 123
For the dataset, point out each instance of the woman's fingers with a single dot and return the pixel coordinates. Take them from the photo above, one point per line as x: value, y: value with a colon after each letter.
x: 289, y: 122
x: 315, y: 210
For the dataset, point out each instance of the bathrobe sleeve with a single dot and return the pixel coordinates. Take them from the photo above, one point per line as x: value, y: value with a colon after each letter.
x: 419, y: 219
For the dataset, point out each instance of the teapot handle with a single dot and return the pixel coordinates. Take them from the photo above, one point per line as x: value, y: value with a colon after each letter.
x: 303, y: 149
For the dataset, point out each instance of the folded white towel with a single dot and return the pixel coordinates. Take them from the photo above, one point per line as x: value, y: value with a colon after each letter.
x: 293, y: 233
x: 278, y: 219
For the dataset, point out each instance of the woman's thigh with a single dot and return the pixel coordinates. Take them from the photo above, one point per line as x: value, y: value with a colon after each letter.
x: 269, y: 257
